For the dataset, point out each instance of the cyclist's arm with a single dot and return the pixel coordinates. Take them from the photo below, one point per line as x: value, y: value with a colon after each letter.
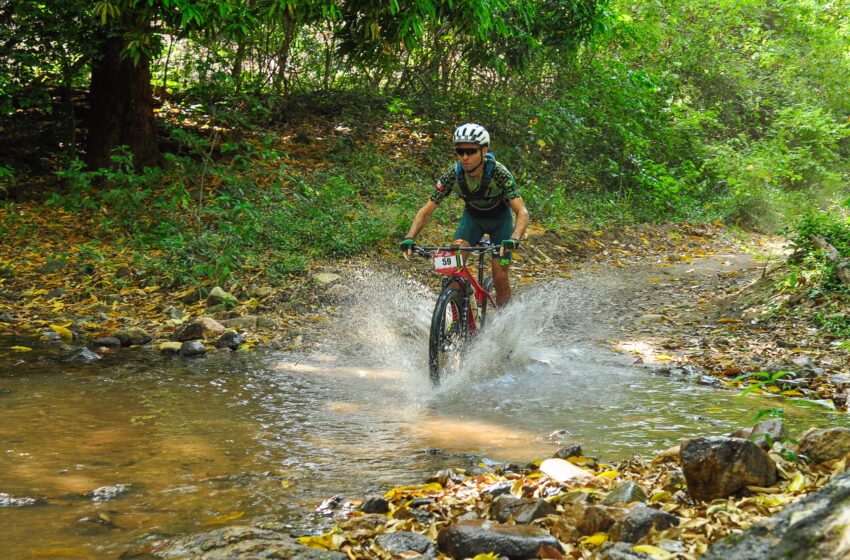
x: 521, y: 222
x: 421, y: 218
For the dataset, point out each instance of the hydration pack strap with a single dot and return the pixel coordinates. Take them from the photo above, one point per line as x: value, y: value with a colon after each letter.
x: 487, y: 176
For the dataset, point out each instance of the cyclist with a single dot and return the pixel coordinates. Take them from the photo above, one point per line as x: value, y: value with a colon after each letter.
x: 491, y: 198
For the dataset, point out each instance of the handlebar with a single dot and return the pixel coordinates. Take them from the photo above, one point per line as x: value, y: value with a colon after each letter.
x: 428, y: 251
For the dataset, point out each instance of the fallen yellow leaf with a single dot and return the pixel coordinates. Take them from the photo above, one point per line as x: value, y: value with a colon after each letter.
x: 595, y: 540
x: 21, y: 349
x: 655, y: 552
x: 63, y: 332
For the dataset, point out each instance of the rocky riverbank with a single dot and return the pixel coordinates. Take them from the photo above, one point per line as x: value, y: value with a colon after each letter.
x: 695, y: 500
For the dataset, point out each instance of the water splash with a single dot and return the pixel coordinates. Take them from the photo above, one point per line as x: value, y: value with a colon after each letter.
x: 386, y: 324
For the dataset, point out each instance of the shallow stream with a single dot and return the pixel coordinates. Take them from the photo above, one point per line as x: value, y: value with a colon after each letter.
x: 244, y: 437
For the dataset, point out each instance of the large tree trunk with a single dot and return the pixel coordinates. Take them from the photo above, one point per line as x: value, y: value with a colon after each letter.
x: 121, y: 108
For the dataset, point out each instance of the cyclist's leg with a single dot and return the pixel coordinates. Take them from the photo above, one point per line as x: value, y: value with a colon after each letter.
x: 501, y: 228
x: 469, y: 231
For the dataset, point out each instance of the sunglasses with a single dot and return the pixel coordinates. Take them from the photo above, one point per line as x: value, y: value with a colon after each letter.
x: 466, y: 151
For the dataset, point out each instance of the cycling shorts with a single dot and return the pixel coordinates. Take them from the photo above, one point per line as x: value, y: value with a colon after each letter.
x: 498, y: 226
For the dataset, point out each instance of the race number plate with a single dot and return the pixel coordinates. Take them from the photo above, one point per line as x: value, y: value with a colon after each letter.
x: 445, y: 262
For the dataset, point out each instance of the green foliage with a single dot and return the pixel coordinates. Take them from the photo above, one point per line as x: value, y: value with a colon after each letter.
x: 812, y: 269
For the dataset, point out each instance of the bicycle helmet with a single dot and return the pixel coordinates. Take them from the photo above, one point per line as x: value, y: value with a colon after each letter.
x: 471, y: 133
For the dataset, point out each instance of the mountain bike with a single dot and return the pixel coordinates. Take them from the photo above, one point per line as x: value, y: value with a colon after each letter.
x: 461, y: 309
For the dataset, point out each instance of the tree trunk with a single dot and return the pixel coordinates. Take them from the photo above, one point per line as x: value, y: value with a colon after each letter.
x: 121, y: 108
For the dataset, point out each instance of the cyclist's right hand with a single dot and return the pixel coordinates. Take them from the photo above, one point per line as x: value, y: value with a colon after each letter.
x: 407, y: 245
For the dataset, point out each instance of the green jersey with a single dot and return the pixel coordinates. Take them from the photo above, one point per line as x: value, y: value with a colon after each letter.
x: 502, y: 188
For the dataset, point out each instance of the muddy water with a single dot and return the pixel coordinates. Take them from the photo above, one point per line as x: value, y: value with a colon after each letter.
x: 237, y: 438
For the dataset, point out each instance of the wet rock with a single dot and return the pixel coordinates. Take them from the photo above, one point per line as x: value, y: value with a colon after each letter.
x: 109, y: 342
x: 669, y: 455
x: 814, y: 528
x: 231, y: 340
x: 404, y: 542
x: 331, y: 505
x: 190, y: 298
x: 6, y: 317
x: 241, y: 543
x: 105, y: 493
x: 626, y: 492
x: 171, y: 348
x: 192, y: 348
x: 826, y: 444
x: 375, y: 504
x: 639, y: 520
x: 575, y: 497
x: 468, y: 538
x: 445, y: 477
x: 7, y: 500
x: 326, y: 279
x: 202, y: 327
x: 84, y: 356
x: 805, y: 367
x: 571, y: 450
x: 768, y: 431
x: 841, y: 380
x: 589, y: 520
x: 717, y: 466
x: 132, y: 337
x: 522, y: 510
x: 243, y: 323
x: 498, y: 489
x: 218, y: 296
x: 620, y: 551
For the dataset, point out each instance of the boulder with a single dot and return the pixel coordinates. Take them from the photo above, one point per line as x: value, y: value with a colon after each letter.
x: 240, y: 542
x: 521, y: 510
x: 625, y: 492
x: 230, y: 339
x: 171, y: 348
x: 571, y: 450
x: 83, y: 355
x: 812, y: 529
x: 192, y: 349
x: 717, y: 466
x: 110, y: 342
x: 620, y: 551
x: 826, y: 444
x: 218, y: 296
x: 132, y: 337
x: 326, y: 279
x: 203, y: 327
x: 768, y: 431
x: 375, y: 504
x: 639, y: 520
x: 403, y: 543
x: 468, y: 538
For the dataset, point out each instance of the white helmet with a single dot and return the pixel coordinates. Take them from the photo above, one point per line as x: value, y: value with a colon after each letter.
x: 471, y: 133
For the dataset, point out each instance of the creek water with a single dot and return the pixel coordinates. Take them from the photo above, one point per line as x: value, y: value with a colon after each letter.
x: 266, y: 436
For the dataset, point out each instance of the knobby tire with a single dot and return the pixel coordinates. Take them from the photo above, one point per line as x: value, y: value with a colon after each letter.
x: 447, y: 332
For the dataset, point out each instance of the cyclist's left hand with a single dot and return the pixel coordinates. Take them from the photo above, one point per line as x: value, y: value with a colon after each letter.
x: 508, y: 245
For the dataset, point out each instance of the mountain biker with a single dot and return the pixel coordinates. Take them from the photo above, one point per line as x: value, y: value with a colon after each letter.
x: 490, y: 194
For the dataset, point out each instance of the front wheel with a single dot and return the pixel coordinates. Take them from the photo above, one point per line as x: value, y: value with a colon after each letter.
x: 448, y: 330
